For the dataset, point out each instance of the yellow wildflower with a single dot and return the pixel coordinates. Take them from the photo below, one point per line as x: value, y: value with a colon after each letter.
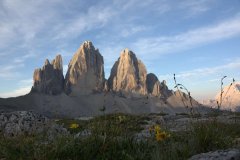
x: 74, y: 126
x: 161, y: 136
x: 157, y: 128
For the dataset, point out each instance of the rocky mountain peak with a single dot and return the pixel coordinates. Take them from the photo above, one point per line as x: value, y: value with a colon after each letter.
x: 57, y: 63
x: 87, y: 44
x: 128, y: 74
x: 128, y: 55
x: 230, y: 97
x: 85, y: 71
x: 153, y: 84
x: 49, y: 79
x: 46, y: 62
x: 157, y: 88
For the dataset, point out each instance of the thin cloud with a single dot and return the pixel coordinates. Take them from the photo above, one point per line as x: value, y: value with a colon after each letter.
x: 133, y: 30
x: 204, y: 71
x: 195, y: 7
x: 23, y: 58
x: 17, y: 92
x: 24, y: 87
x: 20, y: 20
x: 190, y: 39
x: 10, y: 71
x: 94, y: 18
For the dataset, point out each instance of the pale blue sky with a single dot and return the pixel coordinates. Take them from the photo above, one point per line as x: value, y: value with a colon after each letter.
x: 199, y: 40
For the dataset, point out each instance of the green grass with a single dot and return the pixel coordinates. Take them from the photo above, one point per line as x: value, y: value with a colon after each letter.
x: 113, y: 135
x: 67, y: 123
x: 111, y: 124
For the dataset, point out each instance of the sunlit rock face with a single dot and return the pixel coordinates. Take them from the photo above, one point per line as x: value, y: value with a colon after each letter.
x: 85, y: 71
x: 128, y: 74
x: 230, y: 97
x: 49, y: 79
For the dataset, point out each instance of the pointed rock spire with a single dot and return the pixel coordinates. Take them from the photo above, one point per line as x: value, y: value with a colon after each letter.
x: 157, y: 88
x: 57, y: 63
x: 128, y: 74
x: 85, y: 71
x: 49, y: 79
x: 153, y: 84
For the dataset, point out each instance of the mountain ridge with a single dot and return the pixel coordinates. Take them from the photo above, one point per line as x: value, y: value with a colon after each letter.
x: 85, y: 90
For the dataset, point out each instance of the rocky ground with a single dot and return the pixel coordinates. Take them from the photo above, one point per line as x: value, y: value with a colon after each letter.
x: 182, y: 122
x: 28, y: 123
x: 13, y: 124
x: 229, y: 154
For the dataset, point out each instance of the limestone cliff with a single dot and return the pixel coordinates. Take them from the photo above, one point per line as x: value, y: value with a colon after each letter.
x: 49, y: 79
x: 128, y: 74
x: 85, y: 71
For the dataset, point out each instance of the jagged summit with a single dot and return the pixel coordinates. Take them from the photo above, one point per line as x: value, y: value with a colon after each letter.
x: 49, y: 79
x: 157, y: 88
x: 57, y: 63
x: 85, y: 74
x: 153, y: 84
x: 84, y: 90
x: 128, y: 74
x: 46, y: 62
x: 126, y: 51
x: 85, y: 71
x: 87, y: 44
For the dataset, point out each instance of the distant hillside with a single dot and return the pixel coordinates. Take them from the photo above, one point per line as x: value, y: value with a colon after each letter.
x: 230, y: 98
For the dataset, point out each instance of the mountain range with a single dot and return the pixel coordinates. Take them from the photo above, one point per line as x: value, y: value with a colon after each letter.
x: 84, y: 90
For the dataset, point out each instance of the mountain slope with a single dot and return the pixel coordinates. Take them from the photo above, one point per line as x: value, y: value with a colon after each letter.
x: 230, y: 97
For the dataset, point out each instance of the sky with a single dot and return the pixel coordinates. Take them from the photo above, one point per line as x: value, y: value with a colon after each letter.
x: 198, y: 40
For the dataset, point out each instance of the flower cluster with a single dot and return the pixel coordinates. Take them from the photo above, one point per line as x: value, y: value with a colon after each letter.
x: 158, y: 133
x: 74, y: 125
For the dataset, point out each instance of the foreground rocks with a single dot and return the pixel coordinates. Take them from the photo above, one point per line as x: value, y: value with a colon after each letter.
x: 229, y: 154
x: 28, y: 123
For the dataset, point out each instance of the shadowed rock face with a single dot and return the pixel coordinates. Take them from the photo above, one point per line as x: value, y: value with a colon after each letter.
x: 49, y: 79
x: 157, y: 88
x: 164, y: 89
x: 153, y: 84
x: 128, y: 74
x: 85, y: 71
